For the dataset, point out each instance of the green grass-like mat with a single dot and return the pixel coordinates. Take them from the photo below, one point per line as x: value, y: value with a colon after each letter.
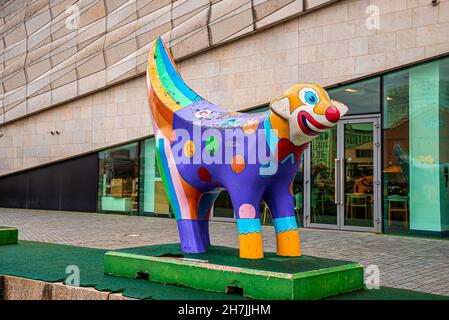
x: 230, y: 257
x: 48, y: 262
x: 386, y: 293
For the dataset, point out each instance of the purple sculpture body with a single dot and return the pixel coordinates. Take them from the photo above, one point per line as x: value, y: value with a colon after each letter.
x: 203, y: 149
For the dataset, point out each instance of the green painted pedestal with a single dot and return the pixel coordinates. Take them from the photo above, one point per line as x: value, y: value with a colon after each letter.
x: 221, y: 270
x: 8, y: 235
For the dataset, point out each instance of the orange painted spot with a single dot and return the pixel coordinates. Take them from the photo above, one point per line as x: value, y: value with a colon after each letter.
x: 288, y: 244
x: 238, y: 163
x: 250, y: 127
x: 189, y: 149
x: 162, y: 115
x: 291, y: 189
x: 251, y: 246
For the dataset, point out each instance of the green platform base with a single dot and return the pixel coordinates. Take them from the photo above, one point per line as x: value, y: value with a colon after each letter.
x: 8, y: 235
x: 220, y: 270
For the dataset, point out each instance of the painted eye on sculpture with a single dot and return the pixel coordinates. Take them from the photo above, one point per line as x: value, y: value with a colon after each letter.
x: 309, y: 96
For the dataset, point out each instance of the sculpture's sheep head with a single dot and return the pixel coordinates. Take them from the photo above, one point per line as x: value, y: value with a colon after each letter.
x: 308, y: 110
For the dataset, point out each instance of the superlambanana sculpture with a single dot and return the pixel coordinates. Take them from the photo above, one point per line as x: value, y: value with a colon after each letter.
x: 202, y: 149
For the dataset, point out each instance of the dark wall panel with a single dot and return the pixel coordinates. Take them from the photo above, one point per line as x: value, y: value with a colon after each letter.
x: 69, y: 185
x: 13, y: 191
x: 79, y: 185
x: 44, y: 188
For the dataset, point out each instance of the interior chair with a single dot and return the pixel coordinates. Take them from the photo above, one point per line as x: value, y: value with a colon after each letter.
x: 398, y: 204
x: 314, y: 204
x: 356, y: 200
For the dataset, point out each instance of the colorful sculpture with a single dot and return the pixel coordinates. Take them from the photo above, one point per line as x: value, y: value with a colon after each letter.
x: 202, y: 149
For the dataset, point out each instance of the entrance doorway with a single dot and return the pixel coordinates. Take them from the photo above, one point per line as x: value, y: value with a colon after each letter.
x: 342, y: 177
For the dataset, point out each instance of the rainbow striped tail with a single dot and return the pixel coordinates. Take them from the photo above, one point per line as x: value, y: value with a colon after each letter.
x: 167, y: 91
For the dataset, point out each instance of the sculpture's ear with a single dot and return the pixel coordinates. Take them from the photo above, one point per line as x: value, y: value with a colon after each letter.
x: 281, y: 106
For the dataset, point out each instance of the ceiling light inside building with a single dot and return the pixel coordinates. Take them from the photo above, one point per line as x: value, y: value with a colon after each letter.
x: 389, y: 98
x: 350, y: 90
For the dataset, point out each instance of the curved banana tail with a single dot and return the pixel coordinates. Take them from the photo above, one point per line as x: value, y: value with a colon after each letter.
x: 167, y: 91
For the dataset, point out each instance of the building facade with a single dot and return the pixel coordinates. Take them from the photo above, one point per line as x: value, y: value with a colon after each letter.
x: 75, y: 128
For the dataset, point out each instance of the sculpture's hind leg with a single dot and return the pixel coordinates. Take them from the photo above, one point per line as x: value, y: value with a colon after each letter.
x: 183, y: 199
x: 191, y: 236
x: 247, y: 211
x: 281, y: 205
x: 204, y: 208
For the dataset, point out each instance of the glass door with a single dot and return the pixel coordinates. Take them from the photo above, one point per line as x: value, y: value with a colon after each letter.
x: 343, y: 177
x: 323, y: 173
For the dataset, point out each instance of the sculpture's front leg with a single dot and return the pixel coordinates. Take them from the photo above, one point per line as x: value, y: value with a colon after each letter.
x: 246, y: 207
x: 282, y: 208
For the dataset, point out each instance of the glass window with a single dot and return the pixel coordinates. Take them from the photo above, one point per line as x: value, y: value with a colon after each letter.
x: 415, y: 164
x: 396, y: 152
x: 362, y: 97
x: 119, y: 179
x: 153, y: 200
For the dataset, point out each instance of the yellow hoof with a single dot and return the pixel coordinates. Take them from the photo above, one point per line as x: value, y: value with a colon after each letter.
x: 251, y: 246
x: 288, y: 243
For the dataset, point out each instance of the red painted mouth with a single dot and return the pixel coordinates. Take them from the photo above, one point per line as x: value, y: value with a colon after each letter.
x: 303, y: 118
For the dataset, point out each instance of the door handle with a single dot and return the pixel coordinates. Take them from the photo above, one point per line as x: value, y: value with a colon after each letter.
x: 342, y: 181
x: 336, y: 193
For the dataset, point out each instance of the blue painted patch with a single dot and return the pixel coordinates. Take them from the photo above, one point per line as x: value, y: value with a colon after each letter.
x: 246, y: 226
x: 291, y: 156
x: 270, y: 135
x: 285, y: 224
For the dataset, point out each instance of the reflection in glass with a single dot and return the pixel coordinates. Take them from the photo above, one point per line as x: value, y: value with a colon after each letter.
x: 416, y: 156
x: 396, y: 148
x: 359, y: 196
x: 298, y: 194
x: 324, y: 151
x: 223, y: 206
x: 153, y: 200
x: 119, y: 179
x: 362, y: 97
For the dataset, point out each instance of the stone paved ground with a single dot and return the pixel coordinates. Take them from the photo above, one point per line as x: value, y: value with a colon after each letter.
x: 410, y: 263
